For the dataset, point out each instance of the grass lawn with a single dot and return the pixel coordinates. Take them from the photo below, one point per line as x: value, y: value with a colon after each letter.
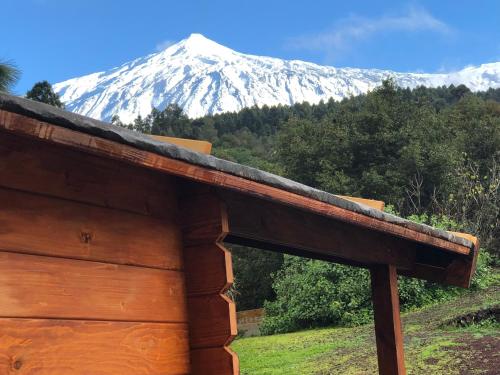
x: 432, y: 344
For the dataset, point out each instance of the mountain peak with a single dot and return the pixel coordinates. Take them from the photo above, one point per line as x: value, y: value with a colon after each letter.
x: 198, y: 38
x: 201, y: 45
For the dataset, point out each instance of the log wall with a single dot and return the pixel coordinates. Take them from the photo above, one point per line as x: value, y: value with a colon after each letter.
x: 91, y: 265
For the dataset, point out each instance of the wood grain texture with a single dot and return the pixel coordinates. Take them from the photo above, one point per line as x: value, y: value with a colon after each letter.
x: 203, y: 218
x: 42, y: 225
x: 62, y: 347
x: 290, y: 228
x: 62, y: 172
x: 212, y: 321
x: 209, y: 269
x: 388, y: 332
x: 217, y: 361
x: 46, y: 287
x: 26, y: 126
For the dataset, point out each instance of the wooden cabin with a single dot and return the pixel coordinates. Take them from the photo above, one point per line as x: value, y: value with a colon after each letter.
x: 112, y: 259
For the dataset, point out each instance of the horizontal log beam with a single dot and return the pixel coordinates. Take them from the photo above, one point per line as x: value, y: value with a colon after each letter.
x: 304, y: 233
x: 83, y: 347
x: 56, y: 171
x: 276, y: 227
x: 33, y: 286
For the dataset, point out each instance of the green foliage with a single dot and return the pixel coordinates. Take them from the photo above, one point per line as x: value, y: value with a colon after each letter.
x: 380, y: 145
x: 9, y: 75
x: 42, y: 92
x: 313, y: 293
x: 432, y: 151
x: 252, y: 274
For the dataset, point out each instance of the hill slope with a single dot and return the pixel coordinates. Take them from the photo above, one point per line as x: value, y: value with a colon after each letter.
x: 204, y: 77
x: 433, y: 344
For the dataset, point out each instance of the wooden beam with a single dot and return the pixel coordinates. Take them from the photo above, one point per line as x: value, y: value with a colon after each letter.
x: 276, y: 227
x: 444, y: 268
x: 303, y: 233
x: 388, y: 331
x: 378, y: 205
x: 193, y: 144
x: 462, y: 269
x: 30, y: 127
x: 458, y: 272
x: 209, y: 274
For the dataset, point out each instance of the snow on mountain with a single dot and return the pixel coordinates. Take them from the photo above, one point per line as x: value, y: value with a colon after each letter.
x: 204, y: 77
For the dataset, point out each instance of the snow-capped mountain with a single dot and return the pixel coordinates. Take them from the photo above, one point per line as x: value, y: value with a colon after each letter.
x: 204, y: 77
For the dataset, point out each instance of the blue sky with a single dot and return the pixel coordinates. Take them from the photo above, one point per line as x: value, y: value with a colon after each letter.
x: 60, y: 39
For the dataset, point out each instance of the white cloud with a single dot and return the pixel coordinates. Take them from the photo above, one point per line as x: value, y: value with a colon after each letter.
x: 163, y: 45
x: 353, y: 29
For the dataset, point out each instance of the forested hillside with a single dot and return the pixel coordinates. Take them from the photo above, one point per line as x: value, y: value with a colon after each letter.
x: 430, y: 154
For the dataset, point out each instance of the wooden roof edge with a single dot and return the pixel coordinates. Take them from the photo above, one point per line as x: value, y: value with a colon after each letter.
x: 216, y: 171
x: 473, y: 239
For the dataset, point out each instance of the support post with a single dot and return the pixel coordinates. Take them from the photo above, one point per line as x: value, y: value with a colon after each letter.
x: 209, y: 274
x: 388, y: 331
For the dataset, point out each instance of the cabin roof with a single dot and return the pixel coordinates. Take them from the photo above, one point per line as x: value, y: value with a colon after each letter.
x: 56, y: 116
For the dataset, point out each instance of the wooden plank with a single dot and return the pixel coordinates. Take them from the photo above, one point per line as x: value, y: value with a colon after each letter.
x: 212, y: 320
x: 42, y: 225
x: 461, y: 270
x: 388, y: 331
x: 30, y: 127
x: 193, y: 144
x: 55, y: 347
x: 208, y: 269
x: 291, y: 228
x: 62, y: 172
x: 203, y: 219
x: 214, y: 361
x: 47, y: 287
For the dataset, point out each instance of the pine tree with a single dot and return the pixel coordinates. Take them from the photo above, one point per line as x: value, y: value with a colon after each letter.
x: 42, y: 92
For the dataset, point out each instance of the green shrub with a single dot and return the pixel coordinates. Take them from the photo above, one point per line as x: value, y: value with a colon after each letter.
x: 313, y: 293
